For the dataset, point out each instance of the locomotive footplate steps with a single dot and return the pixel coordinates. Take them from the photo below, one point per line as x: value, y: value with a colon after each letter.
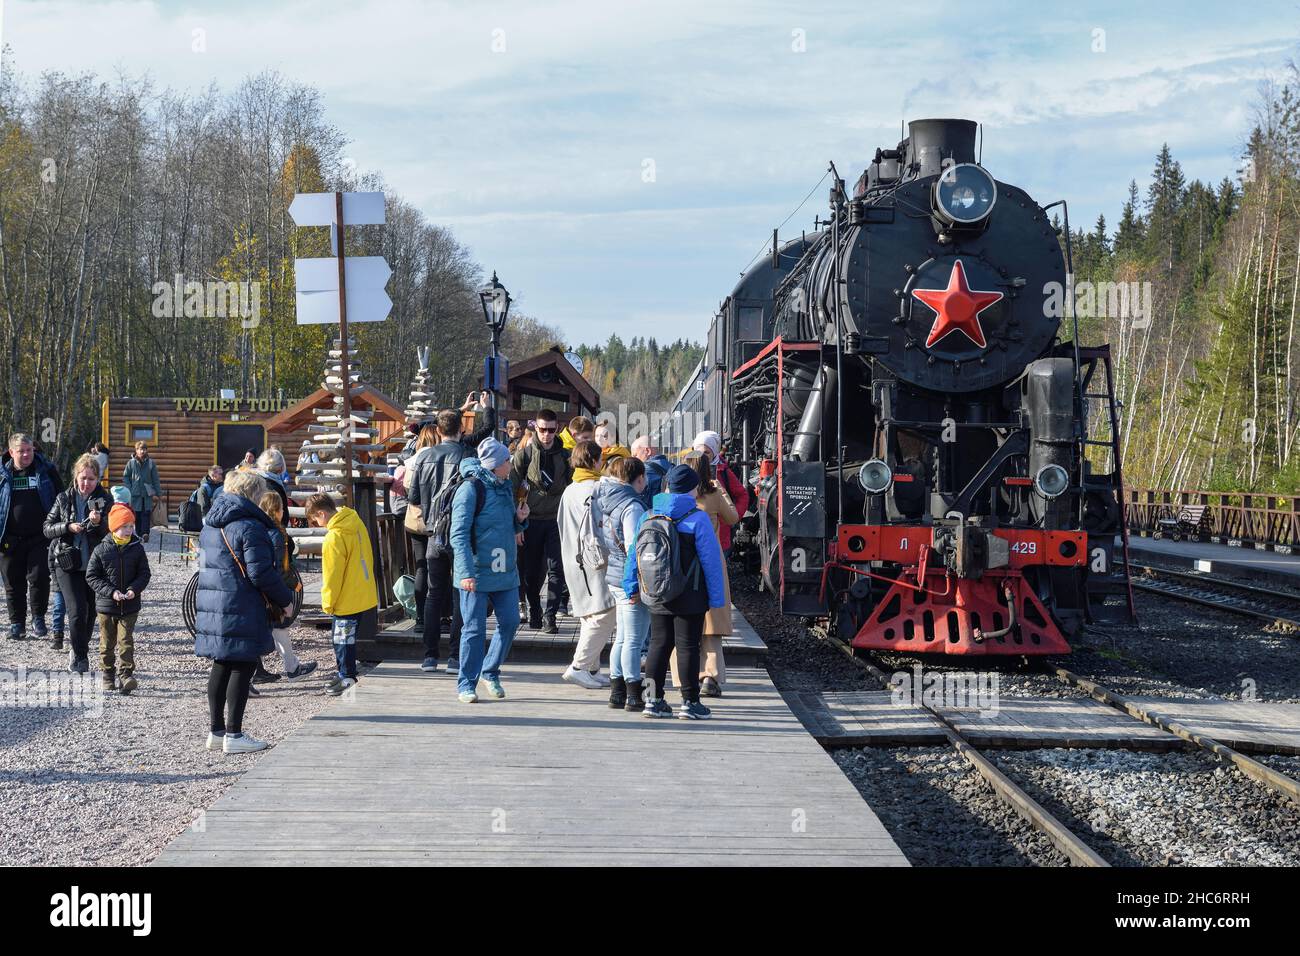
x: 978, y: 603
x: 998, y: 614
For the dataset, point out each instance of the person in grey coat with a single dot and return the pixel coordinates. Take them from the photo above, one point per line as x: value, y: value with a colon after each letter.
x: 141, y: 478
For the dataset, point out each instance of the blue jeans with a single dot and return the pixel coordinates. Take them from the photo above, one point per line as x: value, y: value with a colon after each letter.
x: 345, y: 646
x: 473, y: 610
x: 632, y: 632
x: 57, y: 611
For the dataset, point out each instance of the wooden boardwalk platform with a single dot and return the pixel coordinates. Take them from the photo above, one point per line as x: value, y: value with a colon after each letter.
x: 871, y: 719
x: 405, y: 774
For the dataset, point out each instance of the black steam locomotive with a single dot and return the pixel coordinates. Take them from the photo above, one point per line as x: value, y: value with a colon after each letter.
x: 894, y: 389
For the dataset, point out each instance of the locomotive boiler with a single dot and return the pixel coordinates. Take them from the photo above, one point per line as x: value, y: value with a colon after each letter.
x: 898, y: 392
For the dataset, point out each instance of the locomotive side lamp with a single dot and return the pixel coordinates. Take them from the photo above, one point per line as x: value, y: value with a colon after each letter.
x: 1051, y: 481
x: 964, y: 195
x: 875, y: 476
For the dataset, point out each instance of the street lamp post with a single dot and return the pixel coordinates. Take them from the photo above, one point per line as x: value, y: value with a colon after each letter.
x: 496, y: 307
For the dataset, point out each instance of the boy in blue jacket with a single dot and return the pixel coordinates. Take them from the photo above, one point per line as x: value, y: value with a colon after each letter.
x: 680, y: 623
x: 485, y: 524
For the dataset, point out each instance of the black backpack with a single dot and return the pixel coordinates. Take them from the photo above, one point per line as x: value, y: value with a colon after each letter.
x: 440, y: 526
x: 190, y: 516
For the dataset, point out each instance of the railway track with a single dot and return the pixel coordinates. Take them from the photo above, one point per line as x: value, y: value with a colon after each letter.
x: 1266, y: 604
x: 1069, y: 843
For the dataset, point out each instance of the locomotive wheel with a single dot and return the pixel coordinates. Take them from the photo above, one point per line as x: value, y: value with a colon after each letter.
x: 189, y: 604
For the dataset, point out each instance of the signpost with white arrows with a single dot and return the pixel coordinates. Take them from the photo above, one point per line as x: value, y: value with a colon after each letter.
x: 339, y: 289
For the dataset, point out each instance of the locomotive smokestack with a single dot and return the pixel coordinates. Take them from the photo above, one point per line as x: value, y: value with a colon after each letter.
x: 931, y: 141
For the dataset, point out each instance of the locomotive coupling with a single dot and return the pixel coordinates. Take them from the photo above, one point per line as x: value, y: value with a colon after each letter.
x: 967, y: 549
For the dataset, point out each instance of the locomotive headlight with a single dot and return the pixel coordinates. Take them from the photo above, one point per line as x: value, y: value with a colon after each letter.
x: 964, y: 194
x: 875, y: 476
x: 1051, y: 481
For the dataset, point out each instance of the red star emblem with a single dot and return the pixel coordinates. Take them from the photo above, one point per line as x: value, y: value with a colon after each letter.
x: 957, y: 308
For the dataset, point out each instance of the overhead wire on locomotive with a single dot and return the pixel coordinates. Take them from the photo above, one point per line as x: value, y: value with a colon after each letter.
x: 894, y: 389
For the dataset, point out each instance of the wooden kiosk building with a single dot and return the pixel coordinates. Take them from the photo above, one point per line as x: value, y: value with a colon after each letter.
x: 548, y: 380
x: 187, y: 436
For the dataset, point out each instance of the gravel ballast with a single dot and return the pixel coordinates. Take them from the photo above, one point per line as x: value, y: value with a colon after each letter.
x: 1139, y: 809
x: 1135, y: 809
x: 931, y: 800
x: 113, y: 787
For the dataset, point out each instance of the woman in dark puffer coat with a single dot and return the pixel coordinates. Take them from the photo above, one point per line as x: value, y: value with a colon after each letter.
x: 237, y: 578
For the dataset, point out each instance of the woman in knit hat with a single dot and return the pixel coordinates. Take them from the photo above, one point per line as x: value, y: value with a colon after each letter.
x: 710, y: 443
x: 118, y: 573
x: 484, y: 523
x: 679, y: 624
x: 713, y: 500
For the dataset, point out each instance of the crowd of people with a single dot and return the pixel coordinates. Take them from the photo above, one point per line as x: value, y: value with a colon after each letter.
x: 543, y: 521
x: 546, y: 523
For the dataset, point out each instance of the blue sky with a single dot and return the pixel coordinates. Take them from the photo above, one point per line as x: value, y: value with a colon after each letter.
x: 529, y: 128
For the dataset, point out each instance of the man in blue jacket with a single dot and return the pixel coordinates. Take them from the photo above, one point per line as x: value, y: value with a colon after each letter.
x: 680, y: 622
x: 485, y: 527
x: 29, y: 483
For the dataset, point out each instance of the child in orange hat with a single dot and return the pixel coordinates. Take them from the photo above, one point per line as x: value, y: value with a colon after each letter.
x: 118, y: 572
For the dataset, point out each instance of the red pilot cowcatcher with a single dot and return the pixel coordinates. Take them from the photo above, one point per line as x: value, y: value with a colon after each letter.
x: 957, y: 308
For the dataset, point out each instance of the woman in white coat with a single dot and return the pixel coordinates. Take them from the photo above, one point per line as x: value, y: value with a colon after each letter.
x: 590, y: 600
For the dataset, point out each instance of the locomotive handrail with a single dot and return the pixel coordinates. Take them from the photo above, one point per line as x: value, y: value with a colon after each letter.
x: 1258, y: 518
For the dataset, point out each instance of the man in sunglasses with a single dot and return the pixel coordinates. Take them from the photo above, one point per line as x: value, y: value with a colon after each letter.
x: 543, y: 467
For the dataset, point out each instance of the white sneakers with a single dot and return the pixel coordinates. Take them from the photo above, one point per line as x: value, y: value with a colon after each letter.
x: 600, y: 676
x: 235, y: 743
x: 243, y: 744
x: 582, y: 678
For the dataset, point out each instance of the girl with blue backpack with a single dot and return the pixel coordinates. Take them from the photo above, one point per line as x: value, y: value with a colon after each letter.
x: 620, y: 505
x: 675, y: 569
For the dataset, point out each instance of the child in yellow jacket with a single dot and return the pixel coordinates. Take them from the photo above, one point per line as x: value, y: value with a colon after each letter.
x: 348, y: 592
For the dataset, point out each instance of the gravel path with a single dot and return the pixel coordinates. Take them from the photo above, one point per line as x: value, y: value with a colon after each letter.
x: 112, y: 788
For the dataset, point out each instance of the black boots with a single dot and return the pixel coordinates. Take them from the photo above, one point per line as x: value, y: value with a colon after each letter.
x: 617, y: 692
x: 57, y: 641
x: 264, y: 676
x: 635, y: 702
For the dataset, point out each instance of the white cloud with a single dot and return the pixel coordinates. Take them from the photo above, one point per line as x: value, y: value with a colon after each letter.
x: 534, y: 155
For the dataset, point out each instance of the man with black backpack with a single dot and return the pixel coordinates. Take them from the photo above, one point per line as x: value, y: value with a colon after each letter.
x: 432, y: 478
x: 675, y: 570
x: 192, y: 511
